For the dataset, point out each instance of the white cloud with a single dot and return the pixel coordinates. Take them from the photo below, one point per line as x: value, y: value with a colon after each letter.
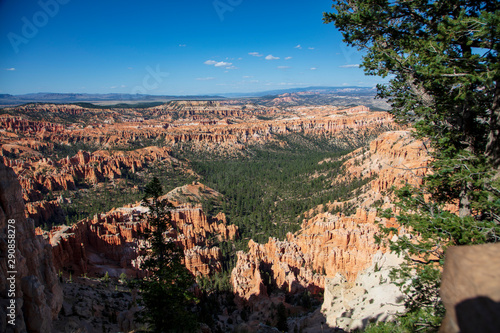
x: 10, y: 69
x: 288, y: 58
x: 205, y: 78
x: 271, y: 57
x: 311, y: 48
x: 350, y: 66
x: 313, y: 68
x: 182, y: 45
x: 283, y: 67
x: 218, y: 63
x: 247, y: 76
x: 298, y: 47
x: 231, y: 67
x: 255, y: 54
x: 223, y: 64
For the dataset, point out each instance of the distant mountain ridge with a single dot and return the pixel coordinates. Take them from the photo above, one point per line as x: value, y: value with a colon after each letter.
x: 8, y: 99
x: 313, y: 89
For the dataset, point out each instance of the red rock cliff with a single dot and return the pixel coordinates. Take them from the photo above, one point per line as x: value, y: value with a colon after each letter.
x: 38, y: 294
x: 109, y: 241
x: 330, y: 243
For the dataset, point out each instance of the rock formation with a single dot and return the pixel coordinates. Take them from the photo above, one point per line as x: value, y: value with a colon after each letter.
x: 329, y: 244
x: 93, y: 306
x: 109, y: 242
x: 470, y: 289
x: 220, y: 127
x: 372, y: 297
x: 39, y: 177
x: 210, y: 124
x: 38, y: 295
x: 45, y: 175
x: 326, y: 245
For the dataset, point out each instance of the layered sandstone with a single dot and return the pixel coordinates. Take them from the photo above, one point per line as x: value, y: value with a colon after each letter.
x: 41, y: 176
x: 208, y: 122
x: 110, y: 242
x: 205, y: 125
x: 46, y: 175
x: 329, y: 244
x: 38, y: 294
x: 19, y: 125
x: 393, y: 158
x: 326, y: 245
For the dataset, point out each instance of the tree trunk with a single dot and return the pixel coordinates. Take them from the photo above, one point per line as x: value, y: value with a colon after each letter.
x: 493, y: 146
x: 464, y: 204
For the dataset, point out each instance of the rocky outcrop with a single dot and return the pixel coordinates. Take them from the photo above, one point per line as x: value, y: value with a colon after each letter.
x: 19, y: 125
x: 43, y: 211
x: 39, y: 177
x: 326, y: 245
x: 329, y: 244
x: 393, y: 158
x: 371, y: 298
x: 470, y: 289
x: 45, y: 175
x: 38, y: 295
x: 205, y: 125
x: 210, y: 123
x: 109, y: 242
x: 94, y: 306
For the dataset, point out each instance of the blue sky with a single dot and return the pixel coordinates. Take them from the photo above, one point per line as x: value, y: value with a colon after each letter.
x: 171, y: 47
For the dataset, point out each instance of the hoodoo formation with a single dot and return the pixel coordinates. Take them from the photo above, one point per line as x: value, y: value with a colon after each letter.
x: 330, y: 243
x: 187, y: 170
x: 77, y: 153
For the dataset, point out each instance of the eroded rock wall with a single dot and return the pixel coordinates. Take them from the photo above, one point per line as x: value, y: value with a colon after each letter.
x: 38, y: 294
x: 329, y: 244
x: 109, y: 242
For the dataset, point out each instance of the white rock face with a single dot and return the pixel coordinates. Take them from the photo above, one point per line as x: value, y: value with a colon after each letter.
x: 371, y: 298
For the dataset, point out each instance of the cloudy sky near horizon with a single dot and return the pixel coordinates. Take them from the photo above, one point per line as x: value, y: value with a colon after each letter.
x: 171, y: 47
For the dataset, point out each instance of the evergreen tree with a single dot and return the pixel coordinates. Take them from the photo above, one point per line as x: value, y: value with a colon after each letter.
x: 165, y: 290
x: 282, y: 324
x: 443, y: 63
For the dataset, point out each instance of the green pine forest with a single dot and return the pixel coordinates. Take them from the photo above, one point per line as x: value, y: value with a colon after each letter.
x: 264, y: 192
